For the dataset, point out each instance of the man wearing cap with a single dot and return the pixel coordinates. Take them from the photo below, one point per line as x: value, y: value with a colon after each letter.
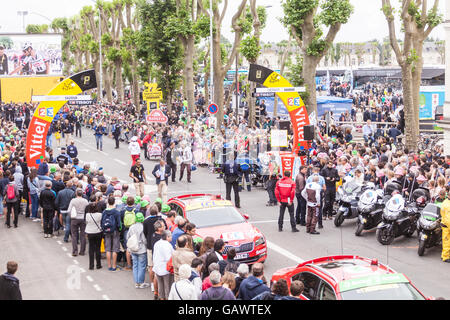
x: 162, y: 173
x: 135, y: 149
x: 72, y: 150
x: 3, y: 61
x: 111, y: 186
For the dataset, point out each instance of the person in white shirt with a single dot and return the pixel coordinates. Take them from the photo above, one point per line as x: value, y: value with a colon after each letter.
x: 183, y: 289
x: 186, y: 161
x: 311, y: 193
x: 135, y: 149
x: 162, y: 252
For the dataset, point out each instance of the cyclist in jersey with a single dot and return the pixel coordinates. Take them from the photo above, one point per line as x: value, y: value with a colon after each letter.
x: 39, y: 64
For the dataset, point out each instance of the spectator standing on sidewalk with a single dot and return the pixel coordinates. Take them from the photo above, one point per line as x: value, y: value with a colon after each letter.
x: 47, y: 202
x: 78, y: 224
x: 111, y: 226
x: 99, y: 131
x: 11, y: 196
x: 62, y: 202
x: 94, y: 232
x: 9, y: 284
x: 138, y: 252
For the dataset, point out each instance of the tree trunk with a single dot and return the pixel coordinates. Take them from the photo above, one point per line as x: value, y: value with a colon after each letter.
x: 189, y: 72
x: 410, y: 130
x: 218, y: 76
x: 108, y: 83
x: 119, y: 82
x: 308, y: 74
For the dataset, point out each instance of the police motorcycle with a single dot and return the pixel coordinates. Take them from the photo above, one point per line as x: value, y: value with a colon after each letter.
x: 399, y: 219
x: 347, y: 197
x: 370, y: 208
x: 371, y: 218
x: 429, y: 228
x: 259, y: 170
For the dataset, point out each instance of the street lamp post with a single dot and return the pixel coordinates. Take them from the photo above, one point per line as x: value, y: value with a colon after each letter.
x: 100, y: 53
x: 23, y: 14
x: 212, y: 51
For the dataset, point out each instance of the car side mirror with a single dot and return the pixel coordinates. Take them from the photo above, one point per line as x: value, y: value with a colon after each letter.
x: 246, y: 216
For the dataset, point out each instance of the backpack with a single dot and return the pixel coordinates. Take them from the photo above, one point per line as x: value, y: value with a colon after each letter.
x: 311, y: 193
x: 10, y: 192
x: 109, y: 223
x: 129, y: 218
x: 133, y: 243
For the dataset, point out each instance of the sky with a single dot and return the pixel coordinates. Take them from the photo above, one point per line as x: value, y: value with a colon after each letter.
x: 366, y: 23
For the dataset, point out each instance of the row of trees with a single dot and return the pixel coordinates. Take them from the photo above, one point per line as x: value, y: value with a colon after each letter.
x: 166, y: 41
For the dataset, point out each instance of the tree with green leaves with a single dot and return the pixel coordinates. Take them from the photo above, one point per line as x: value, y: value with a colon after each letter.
x: 163, y: 50
x: 418, y: 21
x: 189, y: 24
x: 306, y: 24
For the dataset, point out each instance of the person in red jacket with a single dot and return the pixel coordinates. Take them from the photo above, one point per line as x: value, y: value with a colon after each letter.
x: 145, y: 142
x: 285, y: 193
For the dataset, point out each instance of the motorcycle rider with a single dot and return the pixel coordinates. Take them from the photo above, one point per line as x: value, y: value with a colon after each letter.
x: 331, y: 176
x: 232, y: 173
x: 445, y: 222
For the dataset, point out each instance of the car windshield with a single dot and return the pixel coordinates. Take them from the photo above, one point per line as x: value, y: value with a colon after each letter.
x: 391, y: 291
x: 215, y: 216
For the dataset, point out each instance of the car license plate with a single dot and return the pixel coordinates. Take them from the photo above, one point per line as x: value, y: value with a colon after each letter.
x: 241, y: 256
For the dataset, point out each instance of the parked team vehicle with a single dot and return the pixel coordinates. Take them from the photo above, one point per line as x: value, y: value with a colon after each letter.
x: 219, y: 218
x: 348, y: 277
x: 429, y: 228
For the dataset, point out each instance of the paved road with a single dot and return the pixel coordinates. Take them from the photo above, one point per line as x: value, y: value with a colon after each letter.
x: 46, y: 269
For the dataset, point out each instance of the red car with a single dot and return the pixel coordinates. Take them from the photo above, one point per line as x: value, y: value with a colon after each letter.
x: 218, y: 218
x: 349, y: 278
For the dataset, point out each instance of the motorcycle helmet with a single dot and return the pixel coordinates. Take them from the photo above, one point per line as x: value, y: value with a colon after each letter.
x: 420, y: 193
x: 421, y: 201
x: 391, y: 187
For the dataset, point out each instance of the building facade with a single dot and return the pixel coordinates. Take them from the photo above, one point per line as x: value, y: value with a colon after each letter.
x: 445, y: 123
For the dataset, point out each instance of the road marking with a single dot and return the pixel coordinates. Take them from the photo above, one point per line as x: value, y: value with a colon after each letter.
x: 97, y: 287
x: 64, y: 248
x: 120, y: 162
x: 59, y: 242
x: 76, y: 262
x: 68, y: 254
x: 105, y: 297
x: 82, y: 270
x: 284, y: 252
x: 89, y: 278
x: 106, y: 154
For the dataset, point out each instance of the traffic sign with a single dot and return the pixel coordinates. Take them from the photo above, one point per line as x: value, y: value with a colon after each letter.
x: 285, y: 89
x: 213, y: 108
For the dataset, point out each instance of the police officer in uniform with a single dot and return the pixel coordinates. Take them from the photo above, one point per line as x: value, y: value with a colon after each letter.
x: 232, y: 173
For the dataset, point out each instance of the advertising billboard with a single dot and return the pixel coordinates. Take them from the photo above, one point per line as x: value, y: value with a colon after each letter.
x: 30, y: 55
x: 431, y: 97
x: 335, y: 104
